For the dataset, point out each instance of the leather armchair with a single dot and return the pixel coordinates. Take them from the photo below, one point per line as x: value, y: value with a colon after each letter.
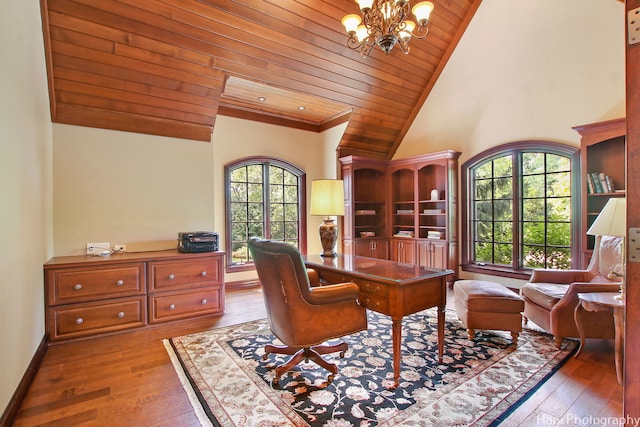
x: 300, y: 315
x: 551, y: 296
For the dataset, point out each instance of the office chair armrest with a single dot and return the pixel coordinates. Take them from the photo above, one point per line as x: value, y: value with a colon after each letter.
x: 334, y: 293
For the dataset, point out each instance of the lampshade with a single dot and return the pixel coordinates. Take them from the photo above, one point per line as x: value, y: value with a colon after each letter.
x: 327, y: 197
x: 612, y: 220
x: 365, y: 4
x: 351, y: 22
x: 422, y: 11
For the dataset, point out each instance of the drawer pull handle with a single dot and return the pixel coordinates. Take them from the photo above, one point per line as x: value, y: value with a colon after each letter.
x: 172, y: 307
x: 171, y: 277
x: 121, y: 314
x: 120, y: 282
x: 204, y: 301
x: 79, y: 321
x: 77, y: 286
x: 204, y: 273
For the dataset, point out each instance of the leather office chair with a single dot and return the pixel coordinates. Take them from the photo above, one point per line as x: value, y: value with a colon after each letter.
x: 551, y: 296
x: 302, y: 316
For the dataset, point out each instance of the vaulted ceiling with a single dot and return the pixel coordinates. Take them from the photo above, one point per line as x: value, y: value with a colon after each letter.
x: 169, y: 67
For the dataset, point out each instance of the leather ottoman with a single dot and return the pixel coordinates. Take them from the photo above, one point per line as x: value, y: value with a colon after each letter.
x: 488, y: 305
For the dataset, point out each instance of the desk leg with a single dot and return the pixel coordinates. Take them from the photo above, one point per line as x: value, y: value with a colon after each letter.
x: 397, y: 349
x: 441, y: 310
x: 577, y: 316
x: 618, y: 316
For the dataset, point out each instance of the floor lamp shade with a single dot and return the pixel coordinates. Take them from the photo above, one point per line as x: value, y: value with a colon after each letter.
x: 327, y: 199
x: 612, y: 221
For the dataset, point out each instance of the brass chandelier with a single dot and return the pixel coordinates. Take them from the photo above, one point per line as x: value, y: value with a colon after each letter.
x: 385, y: 24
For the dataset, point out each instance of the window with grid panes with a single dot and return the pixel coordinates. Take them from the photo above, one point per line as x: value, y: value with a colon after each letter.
x: 521, y: 211
x: 265, y: 198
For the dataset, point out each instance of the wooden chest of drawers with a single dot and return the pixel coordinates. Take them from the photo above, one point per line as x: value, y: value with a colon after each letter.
x: 89, y: 296
x: 179, y: 289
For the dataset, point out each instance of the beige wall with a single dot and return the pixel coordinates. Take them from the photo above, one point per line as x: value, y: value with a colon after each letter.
x: 25, y: 189
x: 141, y: 190
x: 128, y: 188
x: 313, y: 152
x: 525, y: 70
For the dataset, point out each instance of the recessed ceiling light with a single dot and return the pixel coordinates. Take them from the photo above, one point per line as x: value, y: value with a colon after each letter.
x: 262, y: 98
x: 301, y: 107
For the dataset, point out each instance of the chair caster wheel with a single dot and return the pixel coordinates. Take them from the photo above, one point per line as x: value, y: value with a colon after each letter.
x: 265, y: 356
x: 330, y: 378
x: 342, y: 355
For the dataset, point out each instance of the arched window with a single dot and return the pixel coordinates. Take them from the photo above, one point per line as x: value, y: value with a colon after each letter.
x: 521, y: 208
x: 265, y: 197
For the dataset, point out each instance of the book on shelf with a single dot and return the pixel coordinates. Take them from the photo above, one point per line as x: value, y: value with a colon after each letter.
x: 598, y: 183
x: 403, y: 233
x: 365, y: 212
x: 367, y: 234
x: 435, y: 235
x: 404, y: 211
x: 432, y: 211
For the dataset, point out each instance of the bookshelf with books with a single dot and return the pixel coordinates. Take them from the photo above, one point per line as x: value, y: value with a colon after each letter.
x: 603, y: 162
x: 420, y: 204
x: 423, y: 195
x: 364, y: 227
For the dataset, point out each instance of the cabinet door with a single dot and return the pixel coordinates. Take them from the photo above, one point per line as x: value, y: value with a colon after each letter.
x: 373, y: 248
x: 432, y: 253
x: 403, y: 250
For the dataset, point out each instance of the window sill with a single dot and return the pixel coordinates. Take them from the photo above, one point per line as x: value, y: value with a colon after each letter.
x: 494, y: 270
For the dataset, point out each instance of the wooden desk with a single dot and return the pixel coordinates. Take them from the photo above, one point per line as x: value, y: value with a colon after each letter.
x: 391, y: 288
x: 603, y: 301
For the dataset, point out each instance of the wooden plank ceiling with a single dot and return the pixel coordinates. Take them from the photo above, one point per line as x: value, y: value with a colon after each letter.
x: 169, y: 67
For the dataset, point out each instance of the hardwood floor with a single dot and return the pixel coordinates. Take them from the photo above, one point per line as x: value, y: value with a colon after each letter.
x: 128, y: 379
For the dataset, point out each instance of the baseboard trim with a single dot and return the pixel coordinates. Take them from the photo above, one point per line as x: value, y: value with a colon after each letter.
x: 242, y: 284
x: 11, y: 411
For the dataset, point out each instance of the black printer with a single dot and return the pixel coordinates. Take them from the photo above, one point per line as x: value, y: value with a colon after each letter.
x: 198, y: 241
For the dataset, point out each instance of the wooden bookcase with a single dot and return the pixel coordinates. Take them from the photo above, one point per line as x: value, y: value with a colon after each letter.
x: 602, y: 149
x: 365, y: 213
x: 394, y: 200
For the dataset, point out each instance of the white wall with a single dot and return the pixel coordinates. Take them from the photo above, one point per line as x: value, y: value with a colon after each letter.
x: 525, y: 70
x: 25, y: 189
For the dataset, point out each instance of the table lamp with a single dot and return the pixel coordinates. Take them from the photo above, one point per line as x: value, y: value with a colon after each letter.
x: 612, y: 221
x: 327, y: 199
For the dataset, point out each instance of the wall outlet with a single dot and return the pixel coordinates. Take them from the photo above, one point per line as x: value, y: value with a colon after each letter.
x: 119, y: 248
x: 98, y: 248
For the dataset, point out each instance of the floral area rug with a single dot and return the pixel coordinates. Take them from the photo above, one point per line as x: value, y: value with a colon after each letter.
x: 478, y: 383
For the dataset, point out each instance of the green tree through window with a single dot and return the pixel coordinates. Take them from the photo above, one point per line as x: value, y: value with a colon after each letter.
x: 520, y: 207
x: 265, y: 198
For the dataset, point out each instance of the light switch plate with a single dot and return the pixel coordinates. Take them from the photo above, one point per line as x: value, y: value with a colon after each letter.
x: 634, y: 244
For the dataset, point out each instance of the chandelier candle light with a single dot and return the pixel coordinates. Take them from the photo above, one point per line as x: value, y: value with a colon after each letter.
x: 385, y: 24
x: 327, y: 199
